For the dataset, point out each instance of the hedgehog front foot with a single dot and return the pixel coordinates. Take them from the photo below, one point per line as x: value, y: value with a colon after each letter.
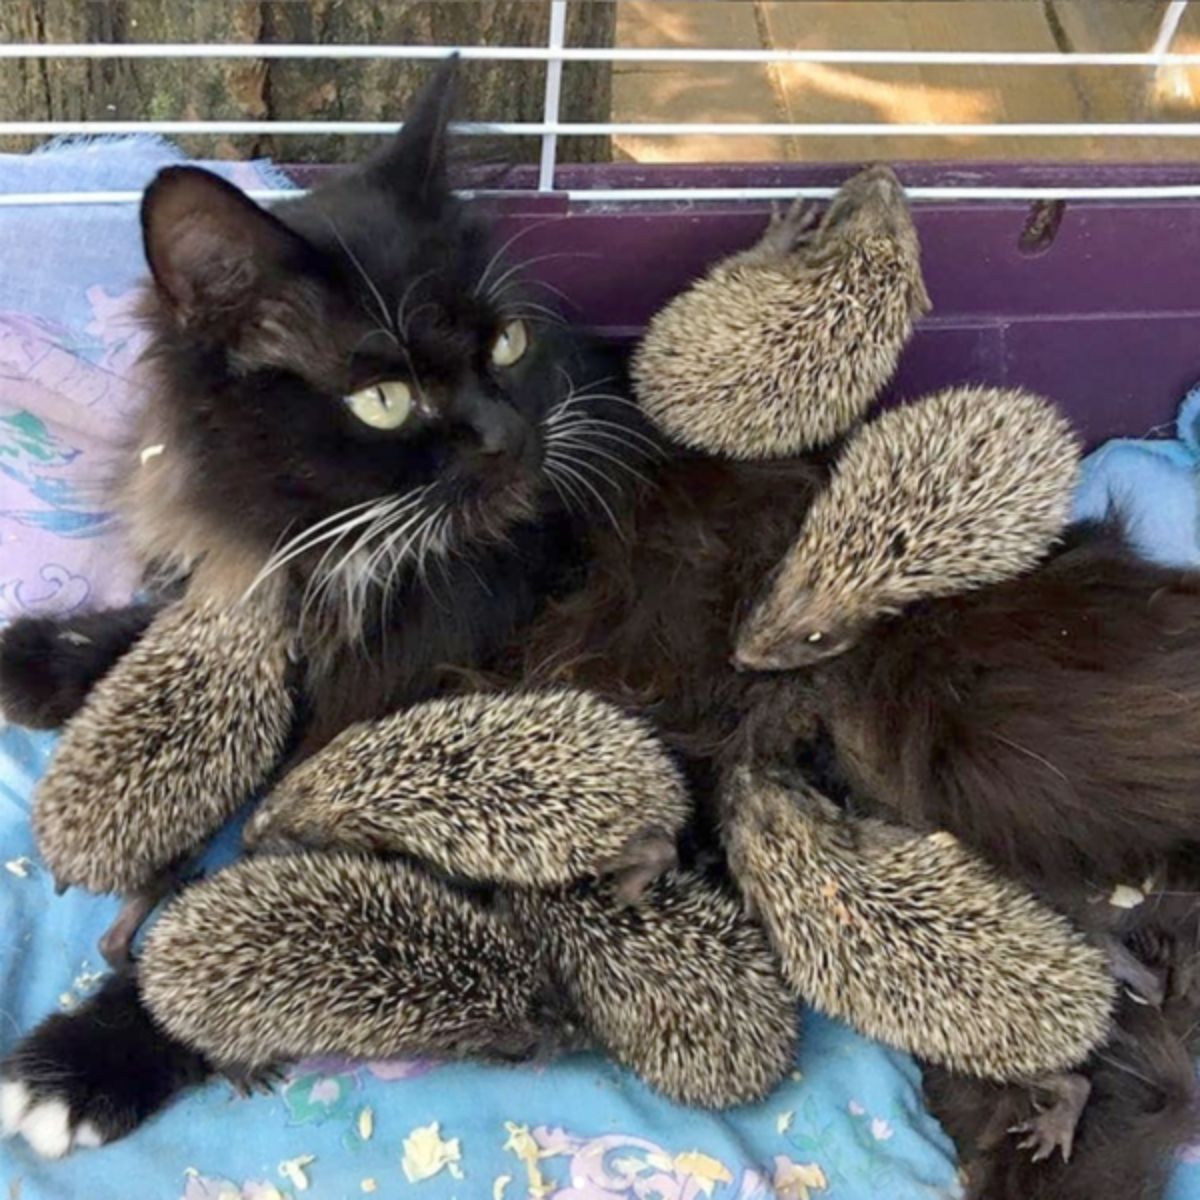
x: 791, y: 230
x: 116, y: 944
x: 644, y: 857
x: 1149, y: 985
x: 1053, y: 1128
x: 249, y: 1081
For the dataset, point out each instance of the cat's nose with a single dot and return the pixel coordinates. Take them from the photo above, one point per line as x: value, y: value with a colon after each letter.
x: 501, y: 430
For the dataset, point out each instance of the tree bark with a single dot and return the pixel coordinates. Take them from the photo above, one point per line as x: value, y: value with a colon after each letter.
x: 315, y: 89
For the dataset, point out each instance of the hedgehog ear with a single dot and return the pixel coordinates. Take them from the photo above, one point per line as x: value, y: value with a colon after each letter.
x: 413, y: 167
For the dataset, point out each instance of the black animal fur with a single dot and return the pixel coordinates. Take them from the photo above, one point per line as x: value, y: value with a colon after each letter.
x: 48, y: 664
x: 106, y: 1061
x: 1051, y: 723
x: 1144, y: 1105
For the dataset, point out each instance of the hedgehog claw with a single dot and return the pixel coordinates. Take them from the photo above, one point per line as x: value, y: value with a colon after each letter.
x: 1054, y: 1128
x: 1148, y: 985
x: 251, y: 1081
x: 790, y: 231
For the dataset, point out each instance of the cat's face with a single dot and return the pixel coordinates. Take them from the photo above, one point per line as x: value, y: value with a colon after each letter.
x: 353, y: 381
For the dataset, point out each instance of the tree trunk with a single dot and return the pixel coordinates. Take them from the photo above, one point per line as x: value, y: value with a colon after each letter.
x: 296, y: 89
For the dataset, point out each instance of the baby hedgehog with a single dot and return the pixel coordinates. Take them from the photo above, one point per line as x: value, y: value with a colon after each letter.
x: 404, y: 965
x: 533, y: 789
x: 682, y: 989
x: 783, y: 347
x: 179, y: 733
x: 964, y: 488
x: 915, y: 942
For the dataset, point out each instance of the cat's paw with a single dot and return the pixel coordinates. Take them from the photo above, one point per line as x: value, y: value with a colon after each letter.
x: 48, y: 666
x: 44, y: 1120
x: 44, y: 673
x: 88, y: 1077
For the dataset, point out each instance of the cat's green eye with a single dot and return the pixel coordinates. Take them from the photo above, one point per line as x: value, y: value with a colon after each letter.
x: 510, y: 344
x: 382, y: 405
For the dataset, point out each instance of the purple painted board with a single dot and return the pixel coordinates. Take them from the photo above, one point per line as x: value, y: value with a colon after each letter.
x: 1105, y: 320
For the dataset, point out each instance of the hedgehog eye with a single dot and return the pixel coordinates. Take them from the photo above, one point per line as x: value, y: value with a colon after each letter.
x: 510, y: 344
x: 382, y: 405
x: 815, y: 637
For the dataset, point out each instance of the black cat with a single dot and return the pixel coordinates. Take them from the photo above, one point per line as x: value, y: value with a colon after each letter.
x: 355, y: 393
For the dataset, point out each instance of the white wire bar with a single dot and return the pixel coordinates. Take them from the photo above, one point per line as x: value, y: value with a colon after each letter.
x: 1169, y: 27
x: 1106, y: 129
x: 686, y: 195
x: 977, y: 58
x: 551, y: 106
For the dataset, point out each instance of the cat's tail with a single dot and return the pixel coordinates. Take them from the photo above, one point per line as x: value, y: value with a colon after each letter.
x: 87, y: 1077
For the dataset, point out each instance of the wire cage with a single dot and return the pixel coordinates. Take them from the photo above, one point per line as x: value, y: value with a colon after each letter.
x: 1076, y: 279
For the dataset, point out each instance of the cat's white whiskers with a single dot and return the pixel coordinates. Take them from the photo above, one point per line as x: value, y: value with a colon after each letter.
x: 382, y: 514
x: 530, y: 310
x: 572, y: 467
x: 496, y: 287
x: 386, y: 551
x: 559, y: 485
x: 354, y: 572
x: 402, y: 318
x: 481, y: 283
x: 308, y: 538
x: 375, y: 292
x: 322, y: 578
x: 587, y: 447
x: 400, y: 554
x: 612, y: 431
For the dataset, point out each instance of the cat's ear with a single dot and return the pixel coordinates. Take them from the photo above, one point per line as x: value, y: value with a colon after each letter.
x: 210, y: 248
x: 413, y: 167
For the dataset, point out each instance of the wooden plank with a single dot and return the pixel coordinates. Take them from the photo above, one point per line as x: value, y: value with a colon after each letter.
x: 958, y: 94
x: 696, y: 92
x: 820, y: 92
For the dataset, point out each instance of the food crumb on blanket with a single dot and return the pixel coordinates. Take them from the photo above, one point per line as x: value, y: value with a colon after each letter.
x: 426, y: 1152
x: 369, y: 1185
x: 366, y: 1124
x: 293, y: 1170
x: 783, y: 1122
x: 500, y: 1186
x: 19, y: 866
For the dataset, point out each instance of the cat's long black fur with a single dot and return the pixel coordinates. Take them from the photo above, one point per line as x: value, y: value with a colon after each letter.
x: 1052, y: 723
x: 49, y: 664
x: 473, y: 512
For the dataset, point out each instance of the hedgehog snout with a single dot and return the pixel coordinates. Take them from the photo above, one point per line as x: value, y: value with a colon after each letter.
x: 786, y: 653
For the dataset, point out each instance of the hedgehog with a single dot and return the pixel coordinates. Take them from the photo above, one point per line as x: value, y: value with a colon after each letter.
x: 531, y: 789
x: 964, y: 488
x: 917, y: 943
x: 683, y: 989
x: 405, y: 964
x: 179, y: 733
x: 783, y: 347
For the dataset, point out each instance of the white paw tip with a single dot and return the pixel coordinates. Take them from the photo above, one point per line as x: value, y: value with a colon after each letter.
x: 88, y: 1137
x: 14, y: 1102
x: 47, y: 1128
